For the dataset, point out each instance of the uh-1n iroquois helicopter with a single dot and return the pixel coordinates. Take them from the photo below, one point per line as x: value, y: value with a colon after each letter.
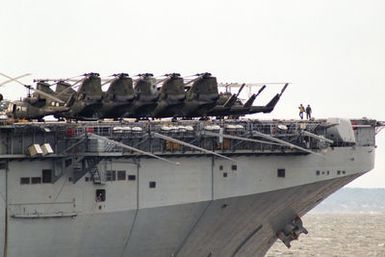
x: 175, y: 98
x: 34, y: 106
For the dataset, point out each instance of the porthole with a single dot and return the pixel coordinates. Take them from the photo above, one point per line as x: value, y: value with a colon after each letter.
x: 281, y: 173
x: 131, y: 177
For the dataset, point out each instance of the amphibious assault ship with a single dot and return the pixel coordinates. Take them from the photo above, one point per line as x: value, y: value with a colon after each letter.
x: 225, y: 188
x: 187, y: 188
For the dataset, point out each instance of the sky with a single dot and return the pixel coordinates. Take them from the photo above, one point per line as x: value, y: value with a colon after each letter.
x: 332, y: 51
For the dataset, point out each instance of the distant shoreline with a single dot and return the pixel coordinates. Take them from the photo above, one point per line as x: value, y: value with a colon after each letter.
x: 353, y: 201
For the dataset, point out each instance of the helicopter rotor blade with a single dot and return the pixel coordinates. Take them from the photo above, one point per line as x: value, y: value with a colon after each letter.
x: 58, y: 80
x: 15, y: 79
x: 31, y: 88
x: 114, y: 76
x: 191, y: 81
x: 161, y: 81
x: 198, y: 76
x: 240, y: 89
x: 190, y: 76
x: 107, y: 81
x: 46, y: 94
x: 260, y: 90
x: 42, y: 93
x: 166, y: 76
x: 72, y: 86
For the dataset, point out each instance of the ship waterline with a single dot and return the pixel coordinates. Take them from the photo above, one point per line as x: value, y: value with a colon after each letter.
x: 139, y: 206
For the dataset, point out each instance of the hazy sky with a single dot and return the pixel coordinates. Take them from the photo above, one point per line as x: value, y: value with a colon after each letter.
x: 333, y: 52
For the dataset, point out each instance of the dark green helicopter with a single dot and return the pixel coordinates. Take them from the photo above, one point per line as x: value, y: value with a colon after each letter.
x: 86, y: 102
x: 201, y: 96
x: 171, y: 97
x: 146, y: 97
x: 63, y: 91
x: 119, y: 97
x: 34, y: 106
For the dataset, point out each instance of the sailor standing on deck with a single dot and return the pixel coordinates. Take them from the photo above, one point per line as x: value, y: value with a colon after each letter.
x: 308, y: 112
x: 301, y: 111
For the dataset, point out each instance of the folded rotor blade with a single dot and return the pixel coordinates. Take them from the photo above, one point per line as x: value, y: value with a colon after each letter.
x: 107, y: 81
x: 240, y: 89
x: 47, y: 95
x: 73, y: 85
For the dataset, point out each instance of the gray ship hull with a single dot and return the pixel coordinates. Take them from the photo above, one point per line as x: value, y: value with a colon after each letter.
x: 203, y: 208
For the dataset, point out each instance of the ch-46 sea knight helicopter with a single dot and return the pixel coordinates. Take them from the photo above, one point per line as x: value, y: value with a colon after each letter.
x: 119, y: 97
x: 172, y: 96
x: 33, y: 106
x: 146, y: 97
x: 86, y: 102
x: 202, y: 96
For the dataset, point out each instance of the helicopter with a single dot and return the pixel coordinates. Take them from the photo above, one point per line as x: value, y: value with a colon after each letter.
x: 201, y: 96
x: 238, y: 109
x: 171, y: 97
x: 86, y: 102
x: 33, y: 106
x: 119, y: 97
x: 146, y: 97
